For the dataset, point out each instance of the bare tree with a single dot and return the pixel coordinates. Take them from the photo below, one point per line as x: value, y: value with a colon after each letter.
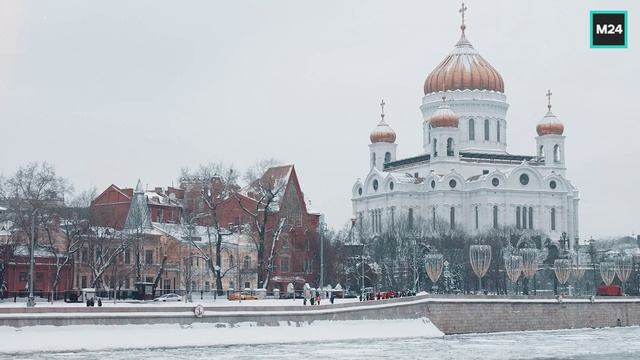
x: 104, y: 245
x: 264, y: 191
x: 219, y: 181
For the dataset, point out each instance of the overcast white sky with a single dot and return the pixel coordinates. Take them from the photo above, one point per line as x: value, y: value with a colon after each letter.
x: 114, y: 91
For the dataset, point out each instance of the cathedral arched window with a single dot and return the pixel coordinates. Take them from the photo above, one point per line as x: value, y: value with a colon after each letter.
x: 556, y: 153
x: 246, y: 264
x: 541, y: 152
x: 387, y: 157
x: 433, y: 217
x: 472, y: 129
x: 530, y: 218
x: 498, y: 130
x: 429, y: 133
x: 410, y: 218
x: 524, y: 217
x: 373, y: 159
x: 450, y: 147
x: 452, y: 217
x: 495, y: 216
x: 553, y: 219
x: 518, y: 217
x: 486, y: 130
x: 477, y: 217
x: 435, y: 147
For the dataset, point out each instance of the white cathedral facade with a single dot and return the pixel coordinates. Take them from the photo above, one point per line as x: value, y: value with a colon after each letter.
x: 465, y: 176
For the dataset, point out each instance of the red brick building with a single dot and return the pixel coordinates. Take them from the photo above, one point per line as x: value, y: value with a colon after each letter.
x: 296, y: 254
x: 17, y: 273
x: 111, y: 207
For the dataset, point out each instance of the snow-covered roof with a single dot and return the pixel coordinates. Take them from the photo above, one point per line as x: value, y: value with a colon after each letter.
x: 200, y: 233
x: 406, y: 178
x: 23, y: 250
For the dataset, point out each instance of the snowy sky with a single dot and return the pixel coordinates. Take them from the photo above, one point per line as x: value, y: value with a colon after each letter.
x: 114, y: 91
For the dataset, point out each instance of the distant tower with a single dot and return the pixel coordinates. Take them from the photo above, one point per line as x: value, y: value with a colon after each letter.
x: 383, y: 147
x: 444, y: 134
x: 550, y: 141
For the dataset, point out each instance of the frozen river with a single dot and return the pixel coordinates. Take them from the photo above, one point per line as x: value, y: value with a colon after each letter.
x: 615, y: 343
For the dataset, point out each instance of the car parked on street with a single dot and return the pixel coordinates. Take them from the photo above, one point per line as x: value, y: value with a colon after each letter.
x: 168, y: 297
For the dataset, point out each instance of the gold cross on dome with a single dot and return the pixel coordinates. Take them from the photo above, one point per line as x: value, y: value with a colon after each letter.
x: 462, y: 10
x: 549, y: 93
x: 382, y: 104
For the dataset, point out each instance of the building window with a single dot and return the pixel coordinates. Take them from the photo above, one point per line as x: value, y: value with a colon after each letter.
x: 387, y: 157
x: 127, y: 257
x: 375, y: 185
x: 495, y: 182
x: 530, y: 218
x: 498, y: 130
x: 495, y: 217
x: 518, y: 218
x: 231, y: 284
x: 391, y: 186
x: 85, y: 255
x: 410, y: 218
x: 159, y: 215
x: 524, y: 217
x: 477, y: 217
x: 24, y: 276
x: 359, y: 191
x: 246, y: 264
x: 472, y: 129
x: 84, y: 282
x: 486, y: 130
x: 207, y: 286
x: 247, y: 285
x: 449, y: 147
x: 373, y: 159
x: 556, y: 153
x: 230, y: 261
x: 284, y: 264
x: 553, y: 184
x: 452, y: 217
x: 553, y: 219
x: 541, y: 152
x: 148, y: 257
x: 524, y: 179
x: 284, y: 242
x: 435, y: 147
x: 452, y: 183
x: 433, y: 184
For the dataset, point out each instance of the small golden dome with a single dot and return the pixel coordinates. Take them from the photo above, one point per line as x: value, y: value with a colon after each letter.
x: 444, y: 116
x: 382, y: 133
x: 550, y: 125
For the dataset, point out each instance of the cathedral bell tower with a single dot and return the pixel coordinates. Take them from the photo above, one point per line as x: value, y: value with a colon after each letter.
x: 550, y: 141
x: 383, y: 147
x: 444, y: 134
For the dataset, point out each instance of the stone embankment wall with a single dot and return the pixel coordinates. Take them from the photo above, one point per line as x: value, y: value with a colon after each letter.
x: 457, y: 315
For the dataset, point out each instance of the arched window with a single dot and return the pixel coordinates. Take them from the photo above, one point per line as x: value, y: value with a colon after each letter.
x: 477, y: 217
x: 373, y: 159
x: 429, y: 133
x: 553, y: 219
x: 524, y: 217
x: 410, y: 218
x: 518, y: 217
x: 541, y: 152
x: 433, y: 215
x: 486, y: 130
x: 472, y: 129
x: 230, y: 260
x: 498, y: 130
x: 556, y: 153
x: 495, y: 216
x: 246, y: 264
x: 435, y: 147
x: 387, y: 157
x: 450, y: 147
x: 530, y: 218
x: 452, y: 217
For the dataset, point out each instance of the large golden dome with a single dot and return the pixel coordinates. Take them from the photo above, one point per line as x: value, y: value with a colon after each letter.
x: 464, y: 68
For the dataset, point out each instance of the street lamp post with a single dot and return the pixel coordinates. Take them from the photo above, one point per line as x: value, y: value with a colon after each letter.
x: 31, y: 301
